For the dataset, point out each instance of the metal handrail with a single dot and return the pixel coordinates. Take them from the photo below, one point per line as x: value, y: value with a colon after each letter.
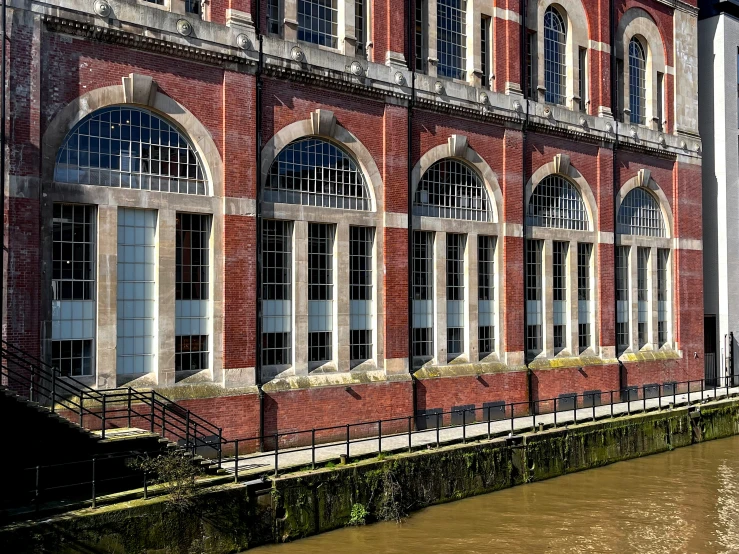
x: 38, y: 380
x: 622, y: 396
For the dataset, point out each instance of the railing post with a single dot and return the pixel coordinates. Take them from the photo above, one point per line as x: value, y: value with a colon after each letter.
x: 347, y: 442
x: 512, y: 414
x: 555, y: 412
x: 674, y: 394
x: 593, y: 406
x: 37, y: 498
x: 611, y: 404
x: 409, y: 434
x: 93, y: 484
x: 574, y: 410
x: 164, y: 423
x: 103, y: 430
x: 146, y: 487
x: 220, y: 445
x: 152, y: 410
x: 187, y: 428
x: 437, y: 429
x: 488, y: 422
x: 688, y: 392
x: 644, y: 399
x: 82, y: 404
x: 533, y: 413
x: 702, y: 387
x: 128, y: 411
x: 464, y: 426
x: 659, y: 397
x: 379, y: 436
x: 727, y: 386
x: 277, y: 449
x: 33, y: 380
x: 53, y: 390
x: 194, y: 438
x: 313, y: 448
x: 236, y: 462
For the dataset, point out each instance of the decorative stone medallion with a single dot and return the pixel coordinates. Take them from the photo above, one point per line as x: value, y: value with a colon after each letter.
x: 243, y: 42
x: 297, y: 54
x: 356, y: 69
x: 399, y: 78
x: 439, y: 87
x: 102, y: 8
x: 184, y: 27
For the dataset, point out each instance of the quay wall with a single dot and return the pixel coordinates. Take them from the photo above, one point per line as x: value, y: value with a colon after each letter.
x: 236, y: 517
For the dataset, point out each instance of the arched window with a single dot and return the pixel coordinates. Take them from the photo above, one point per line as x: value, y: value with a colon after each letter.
x: 133, y: 148
x: 640, y: 214
x: 451, y: 189
x: 555, y: 64
x: 314, y: 172
x: 556, y: 203
x: 637, y: 81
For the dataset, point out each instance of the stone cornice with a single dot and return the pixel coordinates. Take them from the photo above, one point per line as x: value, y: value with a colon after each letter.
x: 140, y: 42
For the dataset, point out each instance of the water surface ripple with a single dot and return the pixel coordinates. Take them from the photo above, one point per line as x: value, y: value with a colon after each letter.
x: 682, y: 501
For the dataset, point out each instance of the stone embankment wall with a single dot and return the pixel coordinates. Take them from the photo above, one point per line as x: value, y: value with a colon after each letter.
x: 233, y: 518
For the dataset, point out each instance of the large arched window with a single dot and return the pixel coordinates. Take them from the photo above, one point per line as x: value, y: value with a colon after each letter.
x: 451, y: 189
x: 556, y: 203
x: 637, y: 81
x: 314, y: 172
x: 557, y: 206
x: 638, y: 299
x: 555, y: 64
x: 133, y: 148
x: 640, y: 214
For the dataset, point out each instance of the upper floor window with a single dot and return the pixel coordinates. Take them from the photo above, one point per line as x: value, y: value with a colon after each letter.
x: 451, y: 189
x: 555, y: 65
x: 451, y: 38
x: 360, y: 29
x: 637, y: 81
x: 127, y: 147
x: 420, y: 36
x: 273, y: 16
x: 318, y: 22
x: 640, y: 214
x: 557, y: 204
x: 314, y: 172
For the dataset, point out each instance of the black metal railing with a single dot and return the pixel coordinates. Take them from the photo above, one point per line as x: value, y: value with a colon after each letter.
x: 93, y: 480
x: 103, y: 409
x: 584, y: 407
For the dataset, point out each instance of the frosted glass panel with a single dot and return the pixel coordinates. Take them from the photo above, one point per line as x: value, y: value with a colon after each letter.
x: 136, y: 290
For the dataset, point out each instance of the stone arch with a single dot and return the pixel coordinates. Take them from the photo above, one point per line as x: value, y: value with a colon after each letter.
x: 637, y: 23
x: 323, y: 124
x: 561, y: 165
x: 644, y: 180
x: 578, y: 33
x: 153, y: 100
x: 458, y: 147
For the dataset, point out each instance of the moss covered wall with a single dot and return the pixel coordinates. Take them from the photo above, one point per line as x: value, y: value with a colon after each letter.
x: 229, y: 519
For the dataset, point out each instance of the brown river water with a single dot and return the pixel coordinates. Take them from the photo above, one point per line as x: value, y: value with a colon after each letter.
x: 681, y: 501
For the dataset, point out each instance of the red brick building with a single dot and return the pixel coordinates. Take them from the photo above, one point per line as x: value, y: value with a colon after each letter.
x: 268, y: 210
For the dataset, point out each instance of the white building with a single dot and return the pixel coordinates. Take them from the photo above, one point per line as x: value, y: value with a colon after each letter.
x: 718, y: 33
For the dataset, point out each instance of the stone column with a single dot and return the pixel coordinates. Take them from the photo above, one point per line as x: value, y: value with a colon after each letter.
x: 471, y: 313
x: 573, y: 315
x: 300, y: 298
x: 547, y: 297
x: 290, y: 21
x: 634, y: 298
x: 166, y: 254
x: 107, y: 296
x: 347, y: 34
x: 440, y: 298
x: 432, y: 54
x: 342, y: 335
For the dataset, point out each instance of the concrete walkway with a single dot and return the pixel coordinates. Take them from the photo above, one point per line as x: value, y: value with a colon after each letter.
x: 260, y: 463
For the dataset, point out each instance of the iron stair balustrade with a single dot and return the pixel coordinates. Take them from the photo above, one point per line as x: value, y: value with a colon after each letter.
x: 42, y: 384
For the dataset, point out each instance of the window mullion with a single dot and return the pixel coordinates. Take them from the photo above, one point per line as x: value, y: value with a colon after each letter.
x: 440, y: 318
x: 431, y: 36
x: 300, y: 297
x: 471, y: 298
x: 547, y: 296
x: 341, y: 336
